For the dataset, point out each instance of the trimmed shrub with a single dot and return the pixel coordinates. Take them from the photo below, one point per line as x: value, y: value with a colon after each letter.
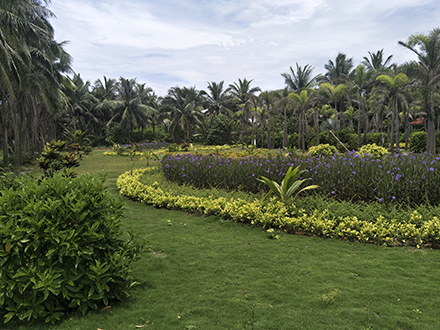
x: 62, y: 248
x: 323, y: 150
x: 373, y: 150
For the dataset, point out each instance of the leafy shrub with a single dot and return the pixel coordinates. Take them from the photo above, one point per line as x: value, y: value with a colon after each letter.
x: 373, y: 151
x: 173, y: 147
x: 418, y: 141
x: 54, y: 158
x: 381, y: 139
x: 62, y: 248
x: 323, y: 150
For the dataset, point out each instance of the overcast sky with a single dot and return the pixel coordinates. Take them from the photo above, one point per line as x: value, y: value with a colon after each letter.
x: 166, y: 43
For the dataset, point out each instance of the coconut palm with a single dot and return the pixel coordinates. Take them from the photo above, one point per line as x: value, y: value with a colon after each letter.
x: 299, y: 79
x: 427, y: 74
x: 302, y: 101
x: 127, y: 109
x: 376, y: 62
x: 31, y: 67
x: 182, y: 107
x: 217, y: 98
x: 339, y: 70
x: 241, y: 90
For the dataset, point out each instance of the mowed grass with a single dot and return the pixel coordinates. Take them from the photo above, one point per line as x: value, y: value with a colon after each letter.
x: 206, y: 273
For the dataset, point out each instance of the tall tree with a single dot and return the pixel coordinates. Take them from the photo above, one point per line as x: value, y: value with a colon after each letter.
x: 302, y: 101
x: 217, y: 98
x: 182, y: 107
x: 242, y: 90
x: 376, y: 61
x: 394, y: 91
x: 427, y: 49
x: 339, y: 70
x: 299, y: 79
x: 128, y: 109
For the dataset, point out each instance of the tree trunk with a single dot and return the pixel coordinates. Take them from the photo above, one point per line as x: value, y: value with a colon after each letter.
x: 431, y: 147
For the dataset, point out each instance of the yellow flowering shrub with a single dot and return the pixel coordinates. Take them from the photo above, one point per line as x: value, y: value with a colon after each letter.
x: 275, y: 214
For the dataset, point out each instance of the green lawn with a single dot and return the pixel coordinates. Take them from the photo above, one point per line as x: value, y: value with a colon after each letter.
x: 206, y: 273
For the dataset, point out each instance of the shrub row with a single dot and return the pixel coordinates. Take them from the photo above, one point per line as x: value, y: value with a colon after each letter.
x: 288, y: 218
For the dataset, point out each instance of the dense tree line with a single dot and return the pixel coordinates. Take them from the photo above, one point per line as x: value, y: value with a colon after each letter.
x: 42, y: 99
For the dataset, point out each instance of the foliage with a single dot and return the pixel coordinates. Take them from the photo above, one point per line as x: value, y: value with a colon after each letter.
x: 289, y: 186
x: 54, y: 158
x: 173, y: 147
x: 412, y: 179
x: 323, y: 150
x: 62, y: 248
x: 392, y: 232
x: 417, y: 142
x: 373, y: 151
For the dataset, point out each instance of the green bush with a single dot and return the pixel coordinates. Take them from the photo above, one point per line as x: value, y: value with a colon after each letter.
x: 381, y: 139
x: 55, y: 158
x: 373, y: 150
x: 62, y: 248
x: 323, y: 150
x: 418, y: 141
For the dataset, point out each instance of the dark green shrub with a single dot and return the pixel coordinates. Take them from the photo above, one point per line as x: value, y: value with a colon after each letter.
x: 381, y: 139
x: 418, y: 140
x: 62, y: 248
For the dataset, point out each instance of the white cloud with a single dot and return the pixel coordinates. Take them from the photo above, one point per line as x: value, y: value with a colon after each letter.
x: 175, y: 42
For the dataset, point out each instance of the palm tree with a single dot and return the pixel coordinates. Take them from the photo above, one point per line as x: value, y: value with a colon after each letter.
x: 299, y: 79
x: 335, y: 95
x: 427, y: 49
x: 359, y: 85
x: 302, y: 102
x: 339, y: 70
x: 31, y: 67
x: 394, y: 91
x: 128, y: 109
x: 376, y: 62
x: 105, y: 90
x: 182, y: 107
x: 242, y: 90
x: 217, y: 98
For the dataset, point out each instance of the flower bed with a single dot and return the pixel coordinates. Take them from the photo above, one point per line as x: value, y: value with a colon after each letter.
x: 275, y: 214
x: 413, y: 179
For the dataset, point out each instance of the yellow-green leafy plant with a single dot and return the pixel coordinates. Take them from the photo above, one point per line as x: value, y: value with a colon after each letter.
x: 289, y: 186
x: 323, y: 150
x: 373, y: 150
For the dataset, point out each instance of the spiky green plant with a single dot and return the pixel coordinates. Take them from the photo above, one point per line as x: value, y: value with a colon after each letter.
x: 288, y: 187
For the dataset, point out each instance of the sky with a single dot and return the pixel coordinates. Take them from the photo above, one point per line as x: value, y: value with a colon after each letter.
x: 187, y: 43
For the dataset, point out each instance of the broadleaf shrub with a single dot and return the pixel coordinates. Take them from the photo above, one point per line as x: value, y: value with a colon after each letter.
x: 62, y: 248
x: 373, y: 150
x: 322, y: 150
x: 417, y: 143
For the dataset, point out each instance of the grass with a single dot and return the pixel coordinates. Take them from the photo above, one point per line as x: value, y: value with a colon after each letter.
x: 206, y: 273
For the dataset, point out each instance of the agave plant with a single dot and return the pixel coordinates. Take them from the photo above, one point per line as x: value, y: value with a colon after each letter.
x: 289, y: 186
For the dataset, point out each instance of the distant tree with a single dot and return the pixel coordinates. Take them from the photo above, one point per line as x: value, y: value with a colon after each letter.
x: 339, y: 70
x: 299, y: 79
x: 427, y: 74
x: 376, y: 62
